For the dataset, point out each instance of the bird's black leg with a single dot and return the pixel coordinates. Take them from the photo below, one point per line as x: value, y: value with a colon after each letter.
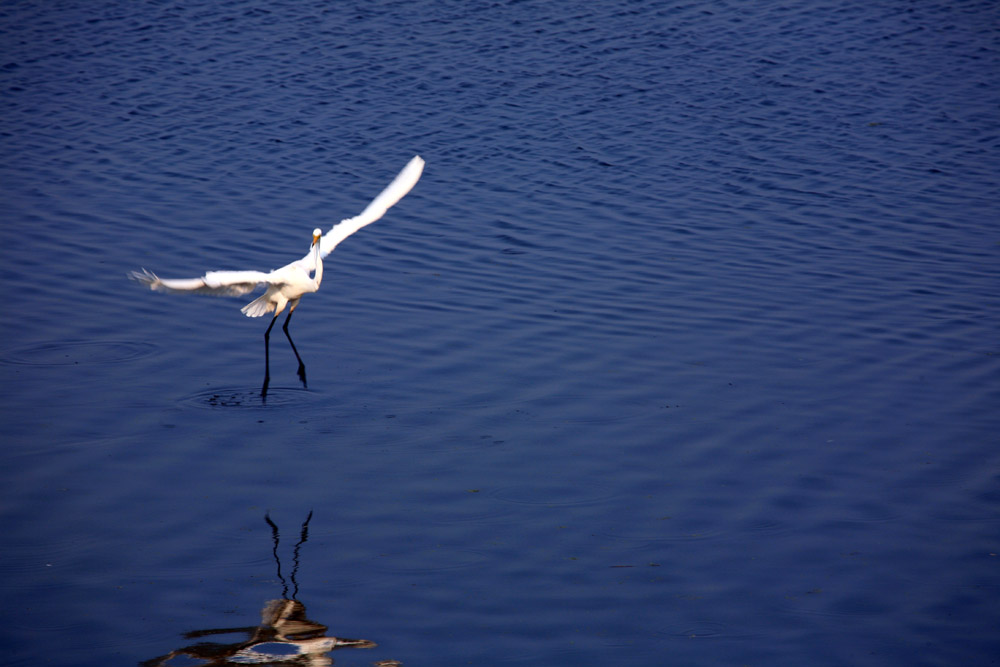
x: 302, y: 366
x: 267, y: 359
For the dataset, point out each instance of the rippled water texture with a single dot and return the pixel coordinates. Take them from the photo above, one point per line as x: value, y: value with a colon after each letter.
x: 682, y: 351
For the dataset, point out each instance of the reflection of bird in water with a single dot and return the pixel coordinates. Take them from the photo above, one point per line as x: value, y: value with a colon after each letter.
x: 285, y: 286
x: 285, y: 635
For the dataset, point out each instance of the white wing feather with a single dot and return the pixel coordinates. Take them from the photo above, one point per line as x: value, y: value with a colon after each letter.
x: 222, y: 283
x: 395, y: 191
x: 236, y: 283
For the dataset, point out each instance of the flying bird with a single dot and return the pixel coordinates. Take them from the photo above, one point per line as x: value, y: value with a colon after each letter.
x: 285, y: 286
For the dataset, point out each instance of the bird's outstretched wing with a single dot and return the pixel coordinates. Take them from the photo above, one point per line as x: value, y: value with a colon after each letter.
x: 395, y: 191
x: 222, y: 283
x: 235, y: 283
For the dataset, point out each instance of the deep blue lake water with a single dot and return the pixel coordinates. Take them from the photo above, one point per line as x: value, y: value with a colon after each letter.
x: 684, y: 350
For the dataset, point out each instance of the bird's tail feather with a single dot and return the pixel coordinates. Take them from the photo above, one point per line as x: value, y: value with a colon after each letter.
x: 259, y: 306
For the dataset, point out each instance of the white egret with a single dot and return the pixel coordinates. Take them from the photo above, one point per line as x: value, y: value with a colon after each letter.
x: 285, y: 286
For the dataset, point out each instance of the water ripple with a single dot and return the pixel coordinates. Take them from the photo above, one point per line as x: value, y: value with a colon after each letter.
x: 430, y: 560
x: 244, y: 398
x: 68, y: 353
x: 554, y: 494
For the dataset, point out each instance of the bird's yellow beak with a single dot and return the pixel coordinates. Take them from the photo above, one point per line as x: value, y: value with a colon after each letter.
x: 316, y: 238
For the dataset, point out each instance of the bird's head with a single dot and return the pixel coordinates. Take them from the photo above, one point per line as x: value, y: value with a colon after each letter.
x: 317, y: 235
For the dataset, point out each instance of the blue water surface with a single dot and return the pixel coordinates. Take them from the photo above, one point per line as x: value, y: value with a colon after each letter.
x: 684, y: 350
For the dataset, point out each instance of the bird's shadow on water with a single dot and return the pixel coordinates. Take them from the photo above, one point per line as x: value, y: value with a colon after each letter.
x: 285, y: 635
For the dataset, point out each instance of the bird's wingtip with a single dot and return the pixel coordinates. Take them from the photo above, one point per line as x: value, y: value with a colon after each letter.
x: 144, y: 276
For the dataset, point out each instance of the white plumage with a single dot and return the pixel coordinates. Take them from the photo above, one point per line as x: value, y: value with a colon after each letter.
x: 285, y: 286
x: 288, y: 284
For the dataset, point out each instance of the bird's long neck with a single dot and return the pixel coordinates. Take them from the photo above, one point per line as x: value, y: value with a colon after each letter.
x: 318, y: 264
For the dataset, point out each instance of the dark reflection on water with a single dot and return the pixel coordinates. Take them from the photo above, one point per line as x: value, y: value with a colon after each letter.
x: 285, y: 636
